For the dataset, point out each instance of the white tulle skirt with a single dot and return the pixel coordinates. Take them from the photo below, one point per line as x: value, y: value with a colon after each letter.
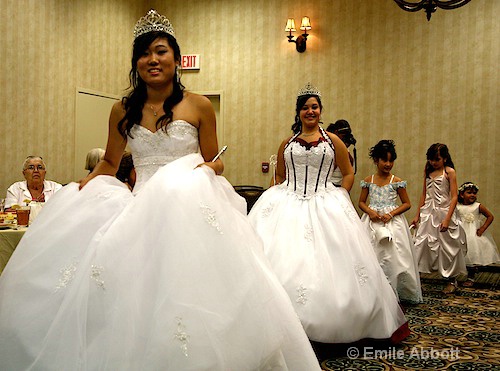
x: 173, y: 278
x: 322, y: 255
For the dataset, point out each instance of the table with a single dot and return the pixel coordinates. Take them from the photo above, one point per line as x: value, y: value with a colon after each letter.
x: 9, y: 238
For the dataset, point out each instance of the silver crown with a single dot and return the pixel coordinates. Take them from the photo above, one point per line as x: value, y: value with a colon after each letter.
x: 153, y: 21
x: 309, y: 89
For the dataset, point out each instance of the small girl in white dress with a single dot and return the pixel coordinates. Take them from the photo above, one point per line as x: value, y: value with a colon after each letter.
x: 481, y: 247
x: 390, y: 235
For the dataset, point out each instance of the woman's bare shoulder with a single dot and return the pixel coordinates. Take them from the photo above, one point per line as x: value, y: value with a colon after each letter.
x: 197, y: 99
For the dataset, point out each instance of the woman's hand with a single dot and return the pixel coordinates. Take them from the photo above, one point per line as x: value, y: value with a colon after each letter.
x: 415, y: 221
x: 479, y: 232
x: 83, y: 182
x: 211, y: 165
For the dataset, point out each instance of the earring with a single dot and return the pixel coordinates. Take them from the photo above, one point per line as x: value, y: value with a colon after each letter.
x: 178, y: 74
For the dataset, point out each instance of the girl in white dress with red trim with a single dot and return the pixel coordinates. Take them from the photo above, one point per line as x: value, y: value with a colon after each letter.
x: 440, y: 241
x: 476, y: 218
x: 316, y: 243
x: 387, y: 226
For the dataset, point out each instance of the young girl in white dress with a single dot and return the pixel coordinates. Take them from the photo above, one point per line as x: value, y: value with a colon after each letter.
x: 440, y: 241
x: 169, y: 277
x: 481, y: 247
x: 387, y: 226
x: 316, y: 243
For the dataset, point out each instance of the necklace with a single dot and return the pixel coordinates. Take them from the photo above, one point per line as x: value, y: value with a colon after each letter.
x: 155, y: 112
x: 308, y: 135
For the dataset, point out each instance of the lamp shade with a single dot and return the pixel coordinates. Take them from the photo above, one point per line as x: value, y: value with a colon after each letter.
x: 290, y: 25
x: 306, y: 24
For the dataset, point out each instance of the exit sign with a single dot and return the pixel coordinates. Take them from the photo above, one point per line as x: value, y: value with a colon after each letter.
x: 191, y: 62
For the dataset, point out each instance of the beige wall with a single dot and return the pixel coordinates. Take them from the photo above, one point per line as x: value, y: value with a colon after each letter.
x: 390, y: 73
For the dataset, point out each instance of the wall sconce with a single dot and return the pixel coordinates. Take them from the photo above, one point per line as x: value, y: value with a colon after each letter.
x: 300, y: 41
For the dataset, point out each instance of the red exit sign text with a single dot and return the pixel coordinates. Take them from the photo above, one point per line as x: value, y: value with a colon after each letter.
x: 191, y: 62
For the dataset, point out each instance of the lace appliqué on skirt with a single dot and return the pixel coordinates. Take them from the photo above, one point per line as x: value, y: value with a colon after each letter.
x: 182, y: 336
x: 67, y: 275
x: 361, y: 273
x: 301, y: 297
x: 95, y: 274
x: 210, y: 217
x: 267, y: 211
x: 308, y: 233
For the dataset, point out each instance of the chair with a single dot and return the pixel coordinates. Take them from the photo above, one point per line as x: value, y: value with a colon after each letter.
x: 250, y: 193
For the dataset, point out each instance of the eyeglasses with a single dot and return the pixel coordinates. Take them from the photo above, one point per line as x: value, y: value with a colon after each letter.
x: 33, y: 167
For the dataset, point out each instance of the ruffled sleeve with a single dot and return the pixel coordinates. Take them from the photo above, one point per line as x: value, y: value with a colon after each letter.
x: 364, y: 184
x: 401, y: 184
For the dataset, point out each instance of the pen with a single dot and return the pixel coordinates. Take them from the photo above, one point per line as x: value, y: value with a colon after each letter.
x: 220, y: 153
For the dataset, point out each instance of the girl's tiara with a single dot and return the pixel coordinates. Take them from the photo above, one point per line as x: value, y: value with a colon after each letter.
x: 153, y: 21
x: 468, y: 185
x: 309, y: 89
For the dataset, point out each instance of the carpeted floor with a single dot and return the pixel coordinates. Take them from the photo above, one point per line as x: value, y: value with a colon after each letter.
x: 460, y: 331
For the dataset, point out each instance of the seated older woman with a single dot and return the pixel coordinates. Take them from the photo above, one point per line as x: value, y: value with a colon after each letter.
x: 35, y: 187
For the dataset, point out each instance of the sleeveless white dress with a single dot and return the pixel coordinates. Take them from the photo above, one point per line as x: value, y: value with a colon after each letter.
x: 171, y: 278
x: 437, y: 251
x: 396, y: 256
x: 480, y: 250
x: 321, y: 252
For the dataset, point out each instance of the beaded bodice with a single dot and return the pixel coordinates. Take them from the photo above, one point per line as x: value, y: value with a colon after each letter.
x: 309, y: 170
x: 437, y: 191
x: 382, y: 197
x: 151, y: 150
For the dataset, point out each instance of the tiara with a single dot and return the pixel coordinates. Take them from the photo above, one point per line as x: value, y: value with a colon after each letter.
x: 464, y: 186
x: 309, y: 89
x: 153, y: 21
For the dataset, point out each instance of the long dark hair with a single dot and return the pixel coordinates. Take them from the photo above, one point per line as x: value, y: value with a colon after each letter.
x: 134, y: 102
x: 301, y: 100
x: 382, y: 148
x: 438, y: 149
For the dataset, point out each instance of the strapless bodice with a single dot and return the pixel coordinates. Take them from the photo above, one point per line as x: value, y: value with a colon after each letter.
x: 151, y: 151
x: 309, y: 170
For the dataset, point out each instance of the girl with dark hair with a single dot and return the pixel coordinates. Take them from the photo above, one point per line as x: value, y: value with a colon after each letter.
x: 384, y: 221
x: 476, y: 218
x: 316, y: 243
x: 169, y: 277
x: 440, y: 241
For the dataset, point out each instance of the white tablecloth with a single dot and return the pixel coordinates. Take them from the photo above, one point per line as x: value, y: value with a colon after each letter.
x: 9, y: 238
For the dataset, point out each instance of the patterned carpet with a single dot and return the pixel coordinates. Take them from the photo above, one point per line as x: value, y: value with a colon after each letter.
x: 460, y: 331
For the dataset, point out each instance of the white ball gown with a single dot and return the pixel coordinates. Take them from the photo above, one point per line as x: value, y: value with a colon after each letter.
x: 438, y: 251
x: 321, y: 253
x: 481, y: 250
x: 396, y: 255
x: 170, y: 278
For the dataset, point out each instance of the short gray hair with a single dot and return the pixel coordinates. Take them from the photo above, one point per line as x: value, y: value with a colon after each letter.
x: 29, y: 158
x: 93, y: 157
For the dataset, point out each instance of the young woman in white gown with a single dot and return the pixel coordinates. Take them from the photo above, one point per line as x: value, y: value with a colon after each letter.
x: 172, y: 277
x: 316, y: 243
x: 385, y: 223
